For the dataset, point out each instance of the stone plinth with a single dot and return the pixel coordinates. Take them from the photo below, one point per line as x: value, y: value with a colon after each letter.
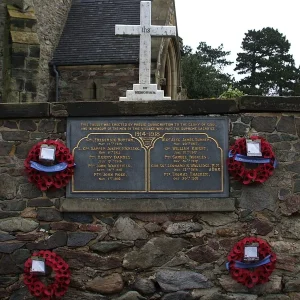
x: 144, y: 92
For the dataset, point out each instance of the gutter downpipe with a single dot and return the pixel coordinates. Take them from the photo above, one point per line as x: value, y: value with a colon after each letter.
x: 56, y: 82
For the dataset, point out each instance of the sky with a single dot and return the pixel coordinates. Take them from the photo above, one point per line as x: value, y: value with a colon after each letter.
x: 226, y: 22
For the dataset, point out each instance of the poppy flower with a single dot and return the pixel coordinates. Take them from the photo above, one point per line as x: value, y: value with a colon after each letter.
x: 232, y: 257
x: 243, y: 277
x: 64, y: 173
x: 58, y: 184
x: 48, y: 291
x: 237, y: 273
x: 261, y: 178
x: 237, y: 249
x: 42, y: 186
x: 28, y: 280
x: 247, y: 181
x: 48, y: 181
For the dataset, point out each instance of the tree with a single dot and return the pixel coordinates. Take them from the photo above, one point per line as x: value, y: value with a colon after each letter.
x: 214, y: 57
x: 266, y: 60
x: 202, y: 71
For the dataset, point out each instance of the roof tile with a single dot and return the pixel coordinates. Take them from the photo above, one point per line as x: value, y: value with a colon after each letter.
x: 89, y: 34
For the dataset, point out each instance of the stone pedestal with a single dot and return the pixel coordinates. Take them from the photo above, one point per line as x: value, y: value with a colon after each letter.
x: 144, y: 92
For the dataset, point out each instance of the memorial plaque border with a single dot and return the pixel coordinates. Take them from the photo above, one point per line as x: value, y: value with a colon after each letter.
x: 179, y: 205
x: 158, y: 194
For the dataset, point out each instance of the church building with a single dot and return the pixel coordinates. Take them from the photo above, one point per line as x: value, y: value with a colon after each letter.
x: 73, y: 54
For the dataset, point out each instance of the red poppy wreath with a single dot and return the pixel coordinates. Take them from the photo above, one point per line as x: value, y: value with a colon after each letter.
x: 237, y: 158
x: 62, y: 277
x: 54, y: 176
x: 253, y: 273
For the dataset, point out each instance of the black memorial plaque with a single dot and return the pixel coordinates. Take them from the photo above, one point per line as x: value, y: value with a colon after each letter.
x: 149, y: 157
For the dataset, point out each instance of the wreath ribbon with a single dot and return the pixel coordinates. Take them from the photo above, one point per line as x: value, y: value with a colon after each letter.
x: 242, y: 265
x: 252, y: 160
x: 49, y: 169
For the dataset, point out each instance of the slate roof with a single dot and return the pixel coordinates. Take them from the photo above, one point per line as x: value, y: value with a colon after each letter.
x: 89, y: 33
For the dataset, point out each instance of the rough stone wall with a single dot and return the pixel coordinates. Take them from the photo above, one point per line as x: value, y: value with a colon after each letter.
x: 112, y: 81
x: 168, y: 256
x: 2, y: 22
x: 21, y: 57
x: 51, y: 16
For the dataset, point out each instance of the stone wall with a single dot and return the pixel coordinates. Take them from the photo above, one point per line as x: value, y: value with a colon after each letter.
x: 22, y: 57
x: 164, y: 256
x: 101, y: 83
x: 51, y: 17
x: 2, y: 22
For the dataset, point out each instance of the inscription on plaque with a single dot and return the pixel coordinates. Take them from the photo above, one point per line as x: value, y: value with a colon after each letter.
x: 149, y: 157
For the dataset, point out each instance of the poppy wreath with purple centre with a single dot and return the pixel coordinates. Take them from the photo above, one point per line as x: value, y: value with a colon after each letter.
x: 238, y: 170
x: 61, y: 281
x: 256, y: 275
x: 44, y: 180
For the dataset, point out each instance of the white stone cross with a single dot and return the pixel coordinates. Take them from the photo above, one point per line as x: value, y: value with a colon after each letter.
x: 145, y: 90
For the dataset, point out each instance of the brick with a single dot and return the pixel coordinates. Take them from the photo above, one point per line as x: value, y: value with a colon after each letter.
x: 28, y: 125
x: 17, y: 85
x: 10, y: 124
x: 30, y: 25
x: 13, y: 97
x: 15, y: 135
x: 28, y: 97
x: 30, y: 86
x: 17, y: 61
x: 28, y: 74
x: 32, y: 64
x: 34, y: 51
x: 20, y: 50
x: 17, y: 24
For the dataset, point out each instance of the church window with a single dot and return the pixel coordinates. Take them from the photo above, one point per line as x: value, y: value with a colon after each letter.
x: 94, y: 91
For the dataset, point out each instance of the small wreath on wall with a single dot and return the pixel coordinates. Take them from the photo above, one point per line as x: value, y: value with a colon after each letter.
x: 54, y: 174
x: 237, y: 159
x: 251, y: 273
x: 62, y: 278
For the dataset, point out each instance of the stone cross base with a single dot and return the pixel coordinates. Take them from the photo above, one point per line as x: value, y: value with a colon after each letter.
x: 144, y: 92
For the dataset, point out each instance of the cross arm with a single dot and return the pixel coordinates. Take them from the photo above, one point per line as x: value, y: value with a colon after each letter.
x: 127, y: 29
x: 163, y: 30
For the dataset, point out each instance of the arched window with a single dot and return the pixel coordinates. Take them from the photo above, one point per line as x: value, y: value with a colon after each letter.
x: 94, y: 91
x: 169, y: 65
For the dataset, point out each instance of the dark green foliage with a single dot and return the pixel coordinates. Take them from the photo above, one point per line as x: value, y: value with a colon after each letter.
x: 266, y: 61
x: 202, y: 71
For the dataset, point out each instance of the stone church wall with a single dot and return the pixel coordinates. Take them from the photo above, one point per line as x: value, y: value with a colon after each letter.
x: 101, y: 83
x: 51, y: 17
x: 2, y: 22
x: 152, y: 255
